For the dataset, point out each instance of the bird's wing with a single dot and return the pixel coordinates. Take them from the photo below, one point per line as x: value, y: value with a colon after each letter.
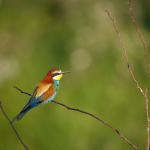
x: 38, y: 91
x: 36, y: 97
x: 41, y: 89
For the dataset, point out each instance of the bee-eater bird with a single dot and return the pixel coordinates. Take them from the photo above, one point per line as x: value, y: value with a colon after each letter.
x: 44, y: 91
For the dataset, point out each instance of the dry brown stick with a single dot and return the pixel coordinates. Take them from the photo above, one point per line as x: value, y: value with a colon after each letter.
x: 125, y: 55
x: 22, y: 91
x: 13, y: 127
x: 139, y: 34
x: 146, y: 103
x: 69, y: 108
x: 144, y: 94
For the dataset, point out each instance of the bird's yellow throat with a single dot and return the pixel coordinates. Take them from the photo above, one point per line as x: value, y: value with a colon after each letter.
x: 58, y: 77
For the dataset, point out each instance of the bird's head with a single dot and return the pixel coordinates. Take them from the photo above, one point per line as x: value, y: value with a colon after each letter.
x: 56, y: 73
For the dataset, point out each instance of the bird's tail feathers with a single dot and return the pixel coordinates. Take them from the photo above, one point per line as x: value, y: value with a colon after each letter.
x: 19, y: 116
x: 25, y: 110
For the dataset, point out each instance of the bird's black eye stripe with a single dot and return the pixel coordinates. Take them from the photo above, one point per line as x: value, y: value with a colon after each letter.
x: 52, y: 75
x: 55, y: 74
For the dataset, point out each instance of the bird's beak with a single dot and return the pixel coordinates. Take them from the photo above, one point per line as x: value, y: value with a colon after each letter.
x: 63, y: 72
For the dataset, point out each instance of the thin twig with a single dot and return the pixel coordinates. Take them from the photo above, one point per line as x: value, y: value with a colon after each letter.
x: 139, y: 34
x: 146, y: 103
x: 144, y: 94
x: 13, y: 127
x: 125, y: 54
x: 69, y: 108
x: 22, y: 91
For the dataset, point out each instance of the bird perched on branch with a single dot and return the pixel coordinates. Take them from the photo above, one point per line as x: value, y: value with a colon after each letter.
x: 44, y: 91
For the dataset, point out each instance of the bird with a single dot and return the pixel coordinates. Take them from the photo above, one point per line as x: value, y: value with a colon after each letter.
x: 44, y: 91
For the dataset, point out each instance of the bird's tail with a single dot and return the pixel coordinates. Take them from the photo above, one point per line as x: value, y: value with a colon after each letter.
x: 19, y: 116
x: 25, y: 110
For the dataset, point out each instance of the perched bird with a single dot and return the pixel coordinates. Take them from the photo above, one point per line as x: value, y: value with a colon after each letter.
x: 44, y: 91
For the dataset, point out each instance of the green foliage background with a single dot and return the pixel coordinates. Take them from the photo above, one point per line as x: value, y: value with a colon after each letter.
x: 75, y: 35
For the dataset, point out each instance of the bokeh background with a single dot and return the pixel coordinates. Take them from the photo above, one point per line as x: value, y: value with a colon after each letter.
x: 74, y: 35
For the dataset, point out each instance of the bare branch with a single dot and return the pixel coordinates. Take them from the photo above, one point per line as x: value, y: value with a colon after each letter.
x: 69, y: 108
x: 22, y: 91
x: 125, y: 54
x: 139, y: 34
x: 146, y: 103
x: 13, y: 127
x: 144, y: 94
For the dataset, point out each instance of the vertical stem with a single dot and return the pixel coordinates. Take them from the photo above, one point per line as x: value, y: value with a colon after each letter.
x: 146, y: 103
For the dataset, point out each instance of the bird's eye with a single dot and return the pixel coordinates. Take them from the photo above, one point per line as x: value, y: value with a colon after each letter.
x: 56, y: 74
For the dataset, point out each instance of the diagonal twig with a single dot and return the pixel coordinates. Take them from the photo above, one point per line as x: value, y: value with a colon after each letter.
x: 125, y: 55
x: 140, y: 35
x: 13, y: 127
x: 144, y: 94
x: 22, y: 91
x: 69, y: 108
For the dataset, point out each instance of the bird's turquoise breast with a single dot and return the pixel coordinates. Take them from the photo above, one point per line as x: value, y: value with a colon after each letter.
x: 56, y: 82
